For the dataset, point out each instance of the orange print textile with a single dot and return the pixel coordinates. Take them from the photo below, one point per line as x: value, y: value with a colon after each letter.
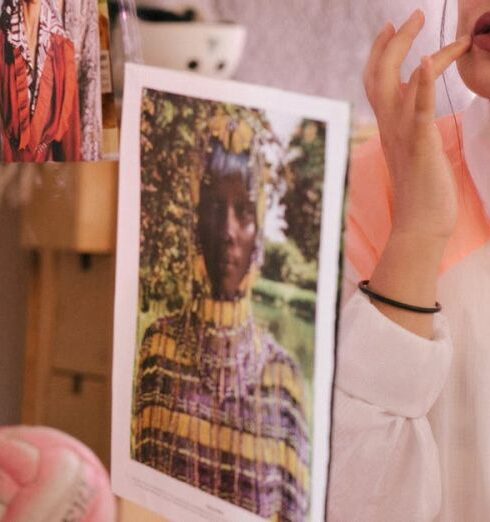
x: 51, y: 131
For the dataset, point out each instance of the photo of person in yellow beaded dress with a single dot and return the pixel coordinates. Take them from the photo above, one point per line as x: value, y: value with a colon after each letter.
x: 219, y: 402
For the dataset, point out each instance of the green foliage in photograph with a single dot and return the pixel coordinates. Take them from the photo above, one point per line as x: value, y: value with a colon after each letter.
x: 169, y: 154
x: 304, y: 177
x: 175, y: 137
x: 278, y: 294
x: 285, y: 262
x: 175, y: 133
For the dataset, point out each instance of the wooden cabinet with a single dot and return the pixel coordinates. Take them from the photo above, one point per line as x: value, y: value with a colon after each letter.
x: 84, y: 314
x: 79, y: 404
x: 68, y: 222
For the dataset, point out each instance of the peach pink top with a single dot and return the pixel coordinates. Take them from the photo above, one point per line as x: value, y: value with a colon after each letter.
x: 411, y: 430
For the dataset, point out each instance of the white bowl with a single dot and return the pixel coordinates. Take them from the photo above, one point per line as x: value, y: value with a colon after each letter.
x: 212, y: 49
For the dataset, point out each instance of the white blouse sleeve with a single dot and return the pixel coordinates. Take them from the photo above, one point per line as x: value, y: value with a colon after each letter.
x: 385, y: 463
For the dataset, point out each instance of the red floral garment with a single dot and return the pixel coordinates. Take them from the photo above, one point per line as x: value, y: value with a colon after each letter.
x: 39, y: 106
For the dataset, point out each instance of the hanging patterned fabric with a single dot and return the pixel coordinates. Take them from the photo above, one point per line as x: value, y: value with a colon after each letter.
x: 50, y: 104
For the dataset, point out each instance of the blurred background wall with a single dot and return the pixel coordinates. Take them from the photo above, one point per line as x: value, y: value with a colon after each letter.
x: 320, y: 46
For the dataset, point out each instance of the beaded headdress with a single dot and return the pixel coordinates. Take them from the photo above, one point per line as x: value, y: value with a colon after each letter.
x: 234, y: 148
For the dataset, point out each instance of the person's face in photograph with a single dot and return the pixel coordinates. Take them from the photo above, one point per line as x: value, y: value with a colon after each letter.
x: 227, y: 231
x: 474, y: 66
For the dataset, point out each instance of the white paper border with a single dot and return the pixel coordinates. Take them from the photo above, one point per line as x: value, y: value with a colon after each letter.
x: 165, y: 495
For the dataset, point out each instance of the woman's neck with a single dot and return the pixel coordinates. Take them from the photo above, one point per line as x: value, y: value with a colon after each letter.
x: 32, y: 9
x: 32, y: 12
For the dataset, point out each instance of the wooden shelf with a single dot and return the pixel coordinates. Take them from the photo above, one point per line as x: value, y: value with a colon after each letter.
x: 129, y: 512
x: 70, y: 206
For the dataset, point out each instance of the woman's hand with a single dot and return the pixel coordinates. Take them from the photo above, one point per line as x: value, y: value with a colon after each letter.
x: 424, y: 193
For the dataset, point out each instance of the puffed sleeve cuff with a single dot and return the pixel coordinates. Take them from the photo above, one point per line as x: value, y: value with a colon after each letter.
x: 386, y: 365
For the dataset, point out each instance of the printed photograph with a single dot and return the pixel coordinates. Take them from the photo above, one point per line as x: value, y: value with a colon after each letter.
x: 50, y: 85
x: 231, y: 206
x: 228, y: 243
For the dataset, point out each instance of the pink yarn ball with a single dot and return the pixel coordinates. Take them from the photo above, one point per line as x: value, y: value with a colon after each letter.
x: 46, y: 475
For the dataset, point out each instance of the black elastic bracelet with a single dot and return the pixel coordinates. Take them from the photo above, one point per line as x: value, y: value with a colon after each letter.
x: 363, y: 287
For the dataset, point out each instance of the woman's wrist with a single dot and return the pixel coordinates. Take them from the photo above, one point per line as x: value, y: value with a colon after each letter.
x: 409, y: 266
x: 407, y: 271
x: 422, y: 239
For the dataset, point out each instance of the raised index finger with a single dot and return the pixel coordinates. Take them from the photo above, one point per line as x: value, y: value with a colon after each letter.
x: 443, y: 58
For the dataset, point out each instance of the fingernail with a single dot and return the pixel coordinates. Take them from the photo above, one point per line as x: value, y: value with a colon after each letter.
x: 418, y: 13
x: 388, y: 27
